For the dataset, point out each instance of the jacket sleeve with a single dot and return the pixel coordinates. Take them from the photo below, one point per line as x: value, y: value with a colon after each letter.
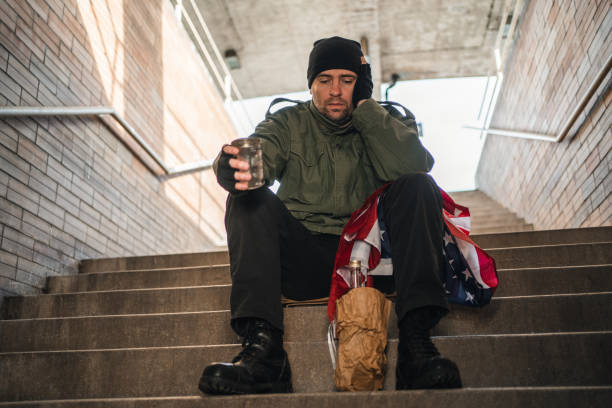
x: 274, y: 133
x: 393, y: 147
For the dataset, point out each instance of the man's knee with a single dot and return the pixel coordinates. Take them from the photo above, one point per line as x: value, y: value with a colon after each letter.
x: 260, y: 203
x: 413, y: 185
x: 416, y: 181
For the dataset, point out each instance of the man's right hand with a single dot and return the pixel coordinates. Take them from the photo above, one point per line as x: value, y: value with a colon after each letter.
x: 232, y: 173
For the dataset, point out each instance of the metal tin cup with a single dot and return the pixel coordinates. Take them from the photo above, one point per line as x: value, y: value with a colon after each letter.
x: 250, y: 152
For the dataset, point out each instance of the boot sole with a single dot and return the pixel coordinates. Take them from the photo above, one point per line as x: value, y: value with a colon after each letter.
x: 443, y: 374
x: 438, y: 380
x: 220, y: 386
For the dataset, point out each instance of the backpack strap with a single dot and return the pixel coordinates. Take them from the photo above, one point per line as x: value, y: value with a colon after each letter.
x: 279, y: 100
x: 388, y: 104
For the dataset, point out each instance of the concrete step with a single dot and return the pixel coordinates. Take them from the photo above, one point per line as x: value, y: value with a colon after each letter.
x: 554, y: 280
x: 499, y: 397
x: 208, y: 298
x: 487, y: 215
x: 154, y: 262
x: 154, y: 278
x: 547, y: 237
x: 476, y: 195
x: 569, y: 359
x: 118, y: 302
x: 557, y: 313
x: 220, y: 257
x: 473, y: 195
x: 483, y: 206
x: 514, y: 282
x: 599, y: 253
x: 491, y: 229
x: 486, y: 206
x: 501, y: 226
x: 506, y: 227
x: 481, y: 211
x: 485, y: 218
x: 478, y: 218
x: 489, y: 240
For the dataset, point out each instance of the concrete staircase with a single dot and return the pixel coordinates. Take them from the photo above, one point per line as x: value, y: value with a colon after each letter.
x: 137, y: 332
x: 487, y: 215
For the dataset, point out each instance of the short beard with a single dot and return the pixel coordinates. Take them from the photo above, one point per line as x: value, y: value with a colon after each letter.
x: 341, y: 120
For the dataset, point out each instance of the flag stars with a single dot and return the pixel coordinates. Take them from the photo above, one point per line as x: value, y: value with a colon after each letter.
x: 447, y: 238
x: 466, y: 273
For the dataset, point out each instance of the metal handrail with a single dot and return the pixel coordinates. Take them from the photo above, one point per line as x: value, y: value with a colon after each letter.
x: 499, y: 58
x: 570, y: 121
x: 226, y: 83
x: 99, y: 111
x: 220, y: 59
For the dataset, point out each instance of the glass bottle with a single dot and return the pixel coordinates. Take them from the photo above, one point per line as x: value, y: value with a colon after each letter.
x: 358, y: 274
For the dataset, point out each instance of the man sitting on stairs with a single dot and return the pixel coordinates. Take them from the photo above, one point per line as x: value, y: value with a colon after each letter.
x: 329, y: 154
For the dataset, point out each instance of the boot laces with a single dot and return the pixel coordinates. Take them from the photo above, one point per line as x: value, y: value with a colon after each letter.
x: 252, y: 346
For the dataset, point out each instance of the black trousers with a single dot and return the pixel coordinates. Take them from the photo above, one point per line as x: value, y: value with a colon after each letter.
x: 271, y: 253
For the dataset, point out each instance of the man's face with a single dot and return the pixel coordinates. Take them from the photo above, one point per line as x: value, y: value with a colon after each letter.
x: 332, y: 93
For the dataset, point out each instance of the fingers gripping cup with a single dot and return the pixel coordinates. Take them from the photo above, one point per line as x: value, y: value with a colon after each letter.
x: 250, y: 152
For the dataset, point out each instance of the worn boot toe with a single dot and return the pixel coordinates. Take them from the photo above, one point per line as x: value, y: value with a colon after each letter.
x: 224, y: 379
x: 262, y: 366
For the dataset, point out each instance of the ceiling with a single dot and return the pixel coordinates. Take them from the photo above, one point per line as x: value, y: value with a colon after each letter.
x: 416, y: 39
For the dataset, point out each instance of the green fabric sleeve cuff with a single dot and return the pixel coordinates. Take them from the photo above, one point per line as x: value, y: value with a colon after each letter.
x: 364, y: 113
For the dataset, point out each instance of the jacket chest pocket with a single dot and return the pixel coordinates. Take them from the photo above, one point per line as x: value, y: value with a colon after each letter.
x: 307, y: 175
x: 308, y: 156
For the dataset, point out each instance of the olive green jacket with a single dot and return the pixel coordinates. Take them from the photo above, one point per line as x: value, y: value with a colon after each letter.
x: 327, y: 171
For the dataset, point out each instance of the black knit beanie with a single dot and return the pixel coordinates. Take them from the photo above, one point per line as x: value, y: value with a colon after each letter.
x: 333, y: 53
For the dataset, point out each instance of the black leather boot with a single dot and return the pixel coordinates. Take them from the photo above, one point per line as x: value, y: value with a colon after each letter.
x: 419, y: 364
x: 261, y: 367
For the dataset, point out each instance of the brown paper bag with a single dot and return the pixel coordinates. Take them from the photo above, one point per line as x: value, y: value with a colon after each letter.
x: 362, y: 319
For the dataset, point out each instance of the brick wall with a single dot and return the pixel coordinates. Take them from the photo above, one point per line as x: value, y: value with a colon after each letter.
x: 69, y: 189
x: 560, y: 48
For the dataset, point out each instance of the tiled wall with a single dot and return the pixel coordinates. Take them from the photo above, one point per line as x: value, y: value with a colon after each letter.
x: 560, y: 48
x: 69, y: 189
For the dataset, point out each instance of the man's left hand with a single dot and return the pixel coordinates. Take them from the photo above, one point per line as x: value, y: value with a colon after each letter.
x: 363, y: 85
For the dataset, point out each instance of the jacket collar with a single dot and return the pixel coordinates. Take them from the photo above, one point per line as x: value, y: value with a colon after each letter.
x: 327, y: 124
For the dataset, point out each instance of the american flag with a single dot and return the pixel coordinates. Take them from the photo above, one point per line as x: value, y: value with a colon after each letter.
x: 469, y: 278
